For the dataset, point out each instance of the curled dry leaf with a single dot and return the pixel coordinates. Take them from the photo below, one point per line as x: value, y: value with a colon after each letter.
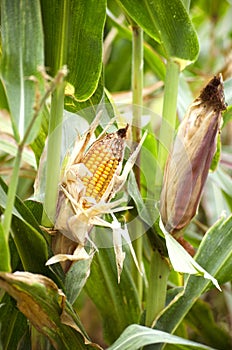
x: 44, y: 304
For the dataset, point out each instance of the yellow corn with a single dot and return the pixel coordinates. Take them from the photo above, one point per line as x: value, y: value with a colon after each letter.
x: 102, y: 160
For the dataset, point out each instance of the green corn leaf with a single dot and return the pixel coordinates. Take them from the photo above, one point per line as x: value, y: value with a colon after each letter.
x: 76, y: 278
x: 135, y: 336
x: 40, y: 300
x: 167, y: 23
x: 8, y: 146
x: 120, y: 303
x: 82, y: 47
x: 215, y: 255
x: 201, y: 318
x: 38, y: 144
x: 28, y: 237
x: 151, y: 57
x: 3, y: 98
x: 222, y: 180
x: 22, y: 54
x: 13, y: 323
x: 89, y: 108
x: 85, y: 52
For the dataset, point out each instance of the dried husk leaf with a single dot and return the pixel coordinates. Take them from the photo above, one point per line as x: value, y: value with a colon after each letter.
x: 189, y: 162
x: 75, y: 219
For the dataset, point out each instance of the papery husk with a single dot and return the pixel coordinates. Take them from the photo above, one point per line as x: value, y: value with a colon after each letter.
x: 189, y: 162
x: 74, y: 219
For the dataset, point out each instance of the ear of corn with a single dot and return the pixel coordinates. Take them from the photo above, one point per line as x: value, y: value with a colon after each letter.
x: 189, y: 162
x: 90, y: 180
x: 102, y: 160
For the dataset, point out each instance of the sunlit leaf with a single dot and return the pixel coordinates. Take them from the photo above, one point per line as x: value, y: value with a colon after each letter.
x: 82, y: 42
x: 8, y: 146
x: 135, y: 336
x: 22, y: 54
x: 182, y: 261
x: 169, y: 24
x: 222, y: 180
x: 228, y: 89
x: 215, y: 255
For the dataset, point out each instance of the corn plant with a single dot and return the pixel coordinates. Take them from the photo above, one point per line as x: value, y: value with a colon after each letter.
x: 115, y: 177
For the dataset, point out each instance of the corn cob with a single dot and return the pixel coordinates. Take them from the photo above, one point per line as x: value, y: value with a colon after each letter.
x: 102, y: 160
x: 189, y: 162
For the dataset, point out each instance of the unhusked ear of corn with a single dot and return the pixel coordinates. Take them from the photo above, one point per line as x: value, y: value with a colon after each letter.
x: 190, y: 159
x: 103, y: 160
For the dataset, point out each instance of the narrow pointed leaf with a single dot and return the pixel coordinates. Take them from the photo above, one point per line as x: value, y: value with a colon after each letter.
x: 22, y: 54
x: 135, y: 336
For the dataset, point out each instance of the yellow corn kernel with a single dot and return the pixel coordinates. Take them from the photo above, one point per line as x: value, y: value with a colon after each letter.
x: 102, y: 160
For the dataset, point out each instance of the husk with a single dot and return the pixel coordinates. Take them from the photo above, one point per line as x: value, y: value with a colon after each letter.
x: 189, y: 162
x: 74, y: 221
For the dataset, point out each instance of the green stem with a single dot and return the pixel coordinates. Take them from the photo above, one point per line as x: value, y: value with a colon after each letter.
x: 53, y: 156
x: 55, y: 125
x: 156, y: 296
x: 168, y: 125
x: 4, y: 251
x: 137, y: 81
x: 12, y: 192
x: 158, y: 269
x: 137, y: 102
x: 15, y: 174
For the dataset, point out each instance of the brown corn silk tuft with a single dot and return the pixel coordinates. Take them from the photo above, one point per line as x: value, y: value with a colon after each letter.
x: 188, y: 164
